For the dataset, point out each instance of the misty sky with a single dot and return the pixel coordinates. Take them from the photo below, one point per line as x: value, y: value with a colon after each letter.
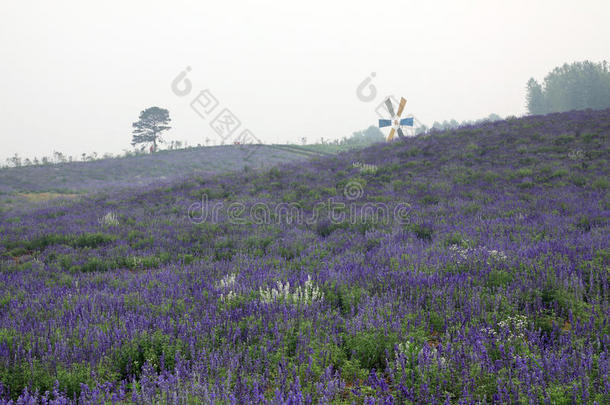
x: 74, y: 75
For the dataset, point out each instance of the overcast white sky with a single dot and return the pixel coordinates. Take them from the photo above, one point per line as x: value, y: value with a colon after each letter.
x: 74, y: 75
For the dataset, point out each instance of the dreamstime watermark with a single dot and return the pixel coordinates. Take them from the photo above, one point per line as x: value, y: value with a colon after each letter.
x: 367, y: 92
x: 335, y: 211
x: 224, y: 123
x: 576, y: 154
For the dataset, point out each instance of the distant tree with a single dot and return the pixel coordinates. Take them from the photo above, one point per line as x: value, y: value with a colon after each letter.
x: 59, y: 157
x: 15, y: 160
x: 453, y: 124
x: 148, y: 129
x: 422, y: 129
x: 535, y: 98
x: 575, y: 86
x: 362, y: 138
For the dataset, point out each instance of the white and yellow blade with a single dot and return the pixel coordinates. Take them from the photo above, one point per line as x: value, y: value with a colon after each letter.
x: 391, y: 136
x: 401, y: 106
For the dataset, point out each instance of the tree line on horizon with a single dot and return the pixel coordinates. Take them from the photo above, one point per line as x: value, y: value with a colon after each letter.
x: 575, y: 86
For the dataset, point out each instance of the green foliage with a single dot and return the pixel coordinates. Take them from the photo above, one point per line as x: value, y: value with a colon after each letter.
x: 578, y: 180
x: 558, y: 299
x: 455, y: 238
x: 560, y: 395
x: 291, y: 250
x: 364, y: 138
x: 600, y: 184
x: 370, y: 348
x: 344, y: 297
x: 93, y: 240
x: 499, y: 278
x: 224, y: 249
x: 259, y: 244
x: 156, y: 348
x: 576, y: 86
x: 437, y: 322
x: 352, y: 370
x: 275, y: 173
x: 430, y: 199
x: 151, y: 124
x: 87, y: 240
x: 41, y: 376
x: 325, y: 227
x: 422, y: 231
x: 362, y: 225
x: 536, y: 104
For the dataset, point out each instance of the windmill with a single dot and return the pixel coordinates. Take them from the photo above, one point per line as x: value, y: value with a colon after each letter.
x: 396, y: 122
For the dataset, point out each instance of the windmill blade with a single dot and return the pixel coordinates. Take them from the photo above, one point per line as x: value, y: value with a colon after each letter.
x: 400, y: 133
x: 388, y: 104
x: 384, y: 123
x: 401, y: 106
x: 408, y: 122
x: 391, y: 136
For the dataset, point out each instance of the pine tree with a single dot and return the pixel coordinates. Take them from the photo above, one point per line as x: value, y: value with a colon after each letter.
x: 153, y: 121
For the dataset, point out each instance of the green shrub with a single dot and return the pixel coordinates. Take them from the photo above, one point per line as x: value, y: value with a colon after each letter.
x: 157, y: 348
x: 259, y: 244
x: 430, y: 199
x: 499, y: 278
x: 437, y: 322
x: 344, y: 297
x: 564, y: 139
x: 39, y: 376
x: 325, y: 227
x: 600, y: 184
x: 224, y: 249
x: 455, y: 238
x: 95, y: 264
x: 290, y: 251
x: 370, y: 348
x: 363, y: 225
x: 578, y: 180
x: 351, y: 370
x: 422, y: 231
x: 93, y: 240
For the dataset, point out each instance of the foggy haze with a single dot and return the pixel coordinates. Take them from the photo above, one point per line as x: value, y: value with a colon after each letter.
x: 75, y: 75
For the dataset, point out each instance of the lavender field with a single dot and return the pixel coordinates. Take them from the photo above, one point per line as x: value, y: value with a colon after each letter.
x: 466, y: 266
x: 141, y: 170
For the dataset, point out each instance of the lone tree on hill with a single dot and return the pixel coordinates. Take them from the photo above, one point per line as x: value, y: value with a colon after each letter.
x: 153, y: 121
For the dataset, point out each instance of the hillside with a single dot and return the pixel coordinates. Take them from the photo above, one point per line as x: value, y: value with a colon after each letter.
x: 484, y: 277
x: 139, y: 170
x: 22, y: 188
